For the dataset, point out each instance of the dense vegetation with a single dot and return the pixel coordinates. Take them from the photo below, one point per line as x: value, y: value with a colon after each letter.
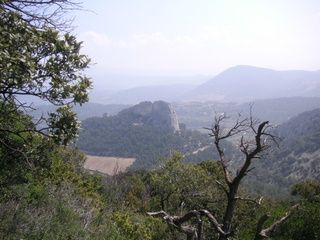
x: 297, y: 157
x: 120, y: 136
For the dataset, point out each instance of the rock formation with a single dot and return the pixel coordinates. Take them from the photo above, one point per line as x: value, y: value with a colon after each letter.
x: 158, y: 114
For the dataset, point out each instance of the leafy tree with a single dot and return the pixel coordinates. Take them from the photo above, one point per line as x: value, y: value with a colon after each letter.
x: 305, y: 222
x: 308, y: 189
x: 37, y: 176
x: 177, y: 186
x: 39, y: 62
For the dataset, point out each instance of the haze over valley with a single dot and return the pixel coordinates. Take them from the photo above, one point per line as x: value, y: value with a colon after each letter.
x: 127, y: 123
x: 235, y: 84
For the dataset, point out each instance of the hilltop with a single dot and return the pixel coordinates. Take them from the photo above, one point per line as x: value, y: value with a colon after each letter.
x: 247, y: 83
x: 158, y: 114
x: 147, y: 131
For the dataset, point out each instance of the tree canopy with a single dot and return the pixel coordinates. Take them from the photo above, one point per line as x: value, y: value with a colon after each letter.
x: 39, y: 61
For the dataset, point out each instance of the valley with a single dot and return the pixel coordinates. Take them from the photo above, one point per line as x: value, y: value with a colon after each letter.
x: 149, y: 131
x: 135, y: 131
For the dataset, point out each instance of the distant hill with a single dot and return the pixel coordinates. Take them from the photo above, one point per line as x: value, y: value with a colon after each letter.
x: 145, y: 132
x: 246, y: 83
x: 298, y: 156
x: 87, y: 110
x: 168, y: 93
x: 197, y: 115
x: 132, y: 89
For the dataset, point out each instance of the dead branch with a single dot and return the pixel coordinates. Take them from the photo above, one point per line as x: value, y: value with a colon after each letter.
x: 257, y: 201
x: 196, y: 232
x: 176, y: 222
x: 44, y: 13
x: 251, y: 148
x: 273, y: 229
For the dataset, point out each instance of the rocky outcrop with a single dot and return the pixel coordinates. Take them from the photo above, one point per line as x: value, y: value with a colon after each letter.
x: 158, y: 114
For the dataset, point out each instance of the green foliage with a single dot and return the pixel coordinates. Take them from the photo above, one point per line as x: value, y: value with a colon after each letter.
x: 309, y: 189
x: 57, y: 202
x: 22, y: 153
x: 139, y: 228
x: 63, y: 125
x: 303, y: 224
x: 136, y: 196
x: 43, y: 192
x: 44, y: 64
x: 40, y: 62
x: 297, y: 157
x: 117, y: 136
x: 178, y: 186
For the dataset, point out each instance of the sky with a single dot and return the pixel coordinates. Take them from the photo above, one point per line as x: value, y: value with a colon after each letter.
x: 198, y: 37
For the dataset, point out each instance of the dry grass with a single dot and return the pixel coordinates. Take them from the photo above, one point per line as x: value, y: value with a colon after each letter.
x: 108, y: 165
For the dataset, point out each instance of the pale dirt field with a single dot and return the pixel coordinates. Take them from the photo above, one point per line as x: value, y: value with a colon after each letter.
x: 108, y: 165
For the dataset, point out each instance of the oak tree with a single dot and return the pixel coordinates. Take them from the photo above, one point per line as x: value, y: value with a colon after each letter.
x: 39, y: 61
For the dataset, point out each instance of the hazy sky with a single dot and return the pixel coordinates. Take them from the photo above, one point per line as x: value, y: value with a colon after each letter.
x: 187, y: 37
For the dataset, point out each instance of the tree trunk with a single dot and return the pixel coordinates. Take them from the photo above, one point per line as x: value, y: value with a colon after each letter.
x: 228, y: 216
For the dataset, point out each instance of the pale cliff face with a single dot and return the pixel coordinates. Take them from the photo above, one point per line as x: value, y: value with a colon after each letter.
x: 174, y: 119
x: 157, y: 114
x: 164, y: 113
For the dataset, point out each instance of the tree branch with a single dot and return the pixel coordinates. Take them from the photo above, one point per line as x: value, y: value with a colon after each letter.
x: 177, y: 222
x: 273, y: 229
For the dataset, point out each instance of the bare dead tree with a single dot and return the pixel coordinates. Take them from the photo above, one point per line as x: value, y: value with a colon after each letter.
x: 255, y: 139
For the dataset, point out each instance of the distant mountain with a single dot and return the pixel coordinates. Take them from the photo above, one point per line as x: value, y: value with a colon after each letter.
x: 95, y: 109
x: 132, y: 89
x: 101, y: 95
x: 246, y: 83
x: 298, y: 156
x: 168, y: 93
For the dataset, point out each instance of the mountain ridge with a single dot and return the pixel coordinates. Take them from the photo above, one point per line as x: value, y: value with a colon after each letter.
x: 243, y: 82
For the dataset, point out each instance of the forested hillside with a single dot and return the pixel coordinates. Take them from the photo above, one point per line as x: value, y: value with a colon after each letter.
x: 297, y: 158
x: 148, y: 138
